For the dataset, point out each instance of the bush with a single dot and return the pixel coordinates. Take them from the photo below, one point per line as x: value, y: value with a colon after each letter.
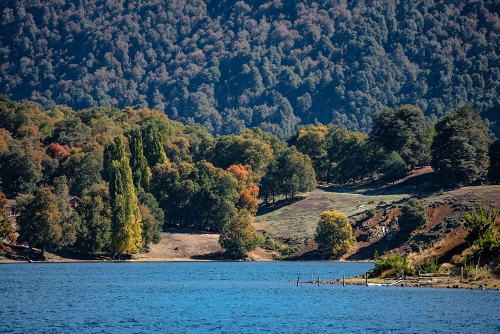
x: 370, y: 212
x: 429, y: 266
x: 413, y: 215
x: 389, y: 261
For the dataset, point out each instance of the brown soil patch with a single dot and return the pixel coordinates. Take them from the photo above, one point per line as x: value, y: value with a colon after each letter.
x: 181, y: 245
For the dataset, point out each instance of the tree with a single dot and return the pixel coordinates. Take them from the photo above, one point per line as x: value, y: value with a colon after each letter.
x: 403, y: 131
x: 394, y: 167
x: 125, y: 214
x: 70, y: 131
x: 140, y: 170
x: 20, y: 171
x: 94, y: 232
x: 334, y: 233
x: 460, y: 148
x: 238, y: 235
x: 413, y: 215
x: 153, y: 140
x: 152, y: 217
x: 38, y: 220
x: 296, y: 172
x: 310, y: 140
x: 481, y: 228
x: 7, y: 230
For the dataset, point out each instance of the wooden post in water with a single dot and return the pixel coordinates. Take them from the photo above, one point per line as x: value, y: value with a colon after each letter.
x: 366, y: 279
x: 298, y: 280
x: 343, y: 280
x: 318, y: 280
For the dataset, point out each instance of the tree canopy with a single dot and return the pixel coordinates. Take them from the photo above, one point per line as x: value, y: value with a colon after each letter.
x: 231, y: 65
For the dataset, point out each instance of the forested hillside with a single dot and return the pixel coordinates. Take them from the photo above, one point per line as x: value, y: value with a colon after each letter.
x: 231, y: 65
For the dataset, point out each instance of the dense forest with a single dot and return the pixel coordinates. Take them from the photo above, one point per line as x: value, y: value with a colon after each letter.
x: 231, y: 65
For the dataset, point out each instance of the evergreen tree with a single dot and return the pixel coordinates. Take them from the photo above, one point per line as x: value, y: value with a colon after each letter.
x: 460, y: 148
x: 394, y: 167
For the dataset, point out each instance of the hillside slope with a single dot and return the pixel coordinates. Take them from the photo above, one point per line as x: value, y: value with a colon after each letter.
x: 443, y: 235
x: 231, y: 65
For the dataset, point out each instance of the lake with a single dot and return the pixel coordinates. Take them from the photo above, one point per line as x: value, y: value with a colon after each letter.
x: 228, y: 297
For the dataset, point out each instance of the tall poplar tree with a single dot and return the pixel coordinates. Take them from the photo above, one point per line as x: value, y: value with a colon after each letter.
x: 141, y: 173
x: 126, y: 222
x: 153, y: 145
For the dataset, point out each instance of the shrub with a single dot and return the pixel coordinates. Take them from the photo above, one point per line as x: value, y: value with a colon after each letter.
x: 413, y: 215
x: 390, y: 261
x: 370, y: 212
x: 430, y: 265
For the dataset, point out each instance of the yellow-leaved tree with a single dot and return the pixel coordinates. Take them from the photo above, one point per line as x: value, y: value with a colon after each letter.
x: 334, y: 233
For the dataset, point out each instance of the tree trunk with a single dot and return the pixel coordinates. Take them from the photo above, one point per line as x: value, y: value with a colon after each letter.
x: 43, y: 252
x: 30, y: 247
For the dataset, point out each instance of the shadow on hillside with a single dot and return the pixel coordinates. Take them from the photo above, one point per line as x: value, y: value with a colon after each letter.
x: 263, y: 208
x: 418, y: 185
x: 216, y: 256
x: 381, y: 246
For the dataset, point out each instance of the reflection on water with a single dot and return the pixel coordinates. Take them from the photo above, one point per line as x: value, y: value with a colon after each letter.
x: 227, y: 297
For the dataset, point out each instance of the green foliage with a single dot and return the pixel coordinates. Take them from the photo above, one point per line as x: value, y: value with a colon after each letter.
x: 141, y: 173
x: 38, y: 222
x: 403, y: 131
x: 300, y: 62
x: 413, y: 215
x: 334, y: 233
x: 155, y: 132
x: 430, y: 265
x: 481, y: 228
x: 19, y: 170
x: 290, y: 173
x: 310, y: 140
x: 460, y: 148
x: 195, y: 196
x: 152, y: 228
x: 94, y: 234
x: 389, y: 261
x: 394, y: 167
x: 238, y: 235
x: 126, y: 231
x: 7, y: 230
x: 371, y: 212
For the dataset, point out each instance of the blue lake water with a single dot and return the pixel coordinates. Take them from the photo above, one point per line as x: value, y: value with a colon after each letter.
x: 228, y: 297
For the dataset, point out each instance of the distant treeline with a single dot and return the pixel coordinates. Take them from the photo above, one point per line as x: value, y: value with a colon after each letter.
x: 134, y: 171
x: 232, y: 65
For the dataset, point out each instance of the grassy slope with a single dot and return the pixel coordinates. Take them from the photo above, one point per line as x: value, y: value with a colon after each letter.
x: 443, y: 235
